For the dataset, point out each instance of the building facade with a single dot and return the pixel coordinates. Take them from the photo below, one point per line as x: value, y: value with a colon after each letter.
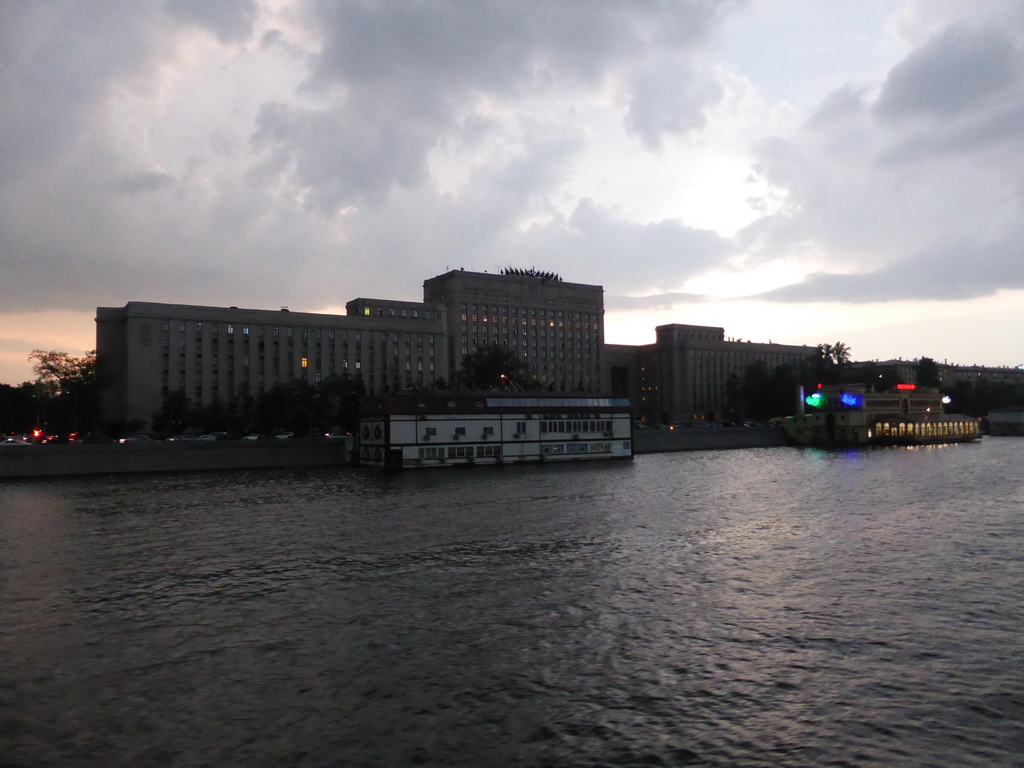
x: 683, y: 376
x: 149, y: 350
x: 556, y: 328
x: 949, y: 374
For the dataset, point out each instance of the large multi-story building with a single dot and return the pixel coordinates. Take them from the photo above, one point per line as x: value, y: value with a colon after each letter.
x: 556, y: 328
x: 683, y: 376
x: 149, y: 350
x: 948, y: 374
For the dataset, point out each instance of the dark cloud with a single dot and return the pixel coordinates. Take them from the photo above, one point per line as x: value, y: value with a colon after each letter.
x: 632, y: 256
x: 410, y: 75
x: 340, y: 156
x: 952, y: 271
x: 58, y: 64
x: 228, y: 20
x: 144, y: 181
x: 670, y: 98
x: 446, y: 47
x: 903, y: 198
x: 955, y: 71
x: 321, y: 187
x: 662, y: 301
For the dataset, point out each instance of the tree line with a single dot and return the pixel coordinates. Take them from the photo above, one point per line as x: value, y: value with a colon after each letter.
x: 763, y: 393
x: 65, y: 396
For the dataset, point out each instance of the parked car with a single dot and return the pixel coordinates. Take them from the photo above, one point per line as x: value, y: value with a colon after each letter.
x: 255, y: 436
x: 181, y: 438
x: 135, y: 439
x: 89, y: 437
x: 285, y: 435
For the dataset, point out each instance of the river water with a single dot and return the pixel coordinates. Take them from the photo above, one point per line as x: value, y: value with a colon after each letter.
x: 762, y: 607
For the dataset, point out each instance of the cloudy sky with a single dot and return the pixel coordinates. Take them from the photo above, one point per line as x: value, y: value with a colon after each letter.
x: 794, y: 170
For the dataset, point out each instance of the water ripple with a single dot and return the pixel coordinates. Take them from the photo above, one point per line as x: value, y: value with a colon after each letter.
x: 769, y: 607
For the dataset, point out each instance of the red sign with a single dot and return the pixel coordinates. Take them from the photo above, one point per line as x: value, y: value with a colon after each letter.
x: 905, y: 386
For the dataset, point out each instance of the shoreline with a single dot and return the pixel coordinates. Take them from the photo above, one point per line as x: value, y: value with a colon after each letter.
x: 114, y: 459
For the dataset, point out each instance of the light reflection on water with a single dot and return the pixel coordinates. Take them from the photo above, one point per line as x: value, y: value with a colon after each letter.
x: 755, y: 607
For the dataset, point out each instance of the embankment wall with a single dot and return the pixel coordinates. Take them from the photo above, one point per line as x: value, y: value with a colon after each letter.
x: 706, y: 439
x: 113, y: 458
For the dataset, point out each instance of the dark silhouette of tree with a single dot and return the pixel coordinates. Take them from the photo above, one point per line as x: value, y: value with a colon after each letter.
x: 17, y: 409
x: 340, y: 398
x: 293, y: 406
x: 66, y: 387
x: 828, y: 365
x: 175, y: 415
x: 492, y: 367
x: 766, y: 393
x: 876, y: 379
x: 977, y: 398
x: 928, y: 372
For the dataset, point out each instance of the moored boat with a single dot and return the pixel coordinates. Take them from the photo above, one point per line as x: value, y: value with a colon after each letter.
x: 848, y: 415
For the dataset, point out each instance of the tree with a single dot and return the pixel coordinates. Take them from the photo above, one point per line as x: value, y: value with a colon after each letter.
x: 71, y: 380
x: 61, y: 371
x: 927, y: 372
x: 828, y: 364
x: 340, y: 401
x: 765, y: 394
x: 17, y: 408
x: 175, y: 414
x: 491, y: 367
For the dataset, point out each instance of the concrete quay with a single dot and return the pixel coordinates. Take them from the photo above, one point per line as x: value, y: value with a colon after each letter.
x: 156, y: 456
x: 705, y: 439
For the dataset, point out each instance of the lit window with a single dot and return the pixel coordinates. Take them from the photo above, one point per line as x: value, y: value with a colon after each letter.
x: 305, y: 362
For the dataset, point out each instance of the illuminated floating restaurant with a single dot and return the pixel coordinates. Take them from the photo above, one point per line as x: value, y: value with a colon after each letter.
x: 848, y: 415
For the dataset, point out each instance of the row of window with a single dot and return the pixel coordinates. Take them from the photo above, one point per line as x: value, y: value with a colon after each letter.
x: 575, y: 426
x: 460, y: 451
x: 533, y: 312
x: 926, y: 429
x: 304, y: 333
x: 401, y: 312
x: 558, y: 449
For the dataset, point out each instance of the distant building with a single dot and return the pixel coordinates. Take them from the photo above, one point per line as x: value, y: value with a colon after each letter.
x: 905, y: 371
x: 555, y: 327
x: 951, y: 374
x: 1006, y: 421
x: 683, y: 376
x: 149, y: 350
